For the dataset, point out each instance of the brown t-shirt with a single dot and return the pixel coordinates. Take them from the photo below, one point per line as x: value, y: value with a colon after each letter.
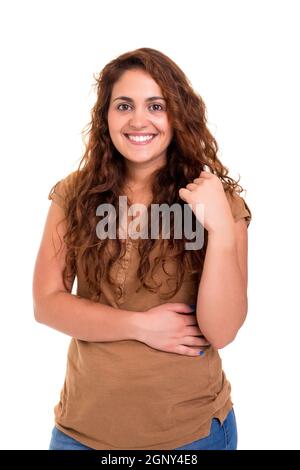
x: 127, y: 395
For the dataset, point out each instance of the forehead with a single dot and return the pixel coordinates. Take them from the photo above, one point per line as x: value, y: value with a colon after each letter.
x: 136, y: 83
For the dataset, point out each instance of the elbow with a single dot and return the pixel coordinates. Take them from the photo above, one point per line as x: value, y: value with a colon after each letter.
x: 219, y: 336
x: 218, y: 339
x: 36, y: 313
x: 222, y: 342
x: 221, y: 339
x: 41, y: 307
x: 38, y: 309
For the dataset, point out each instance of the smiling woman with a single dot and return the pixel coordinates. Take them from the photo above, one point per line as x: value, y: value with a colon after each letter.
x: 149, y: 315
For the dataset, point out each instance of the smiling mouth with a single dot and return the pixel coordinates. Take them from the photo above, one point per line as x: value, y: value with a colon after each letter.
x: 143, y: 140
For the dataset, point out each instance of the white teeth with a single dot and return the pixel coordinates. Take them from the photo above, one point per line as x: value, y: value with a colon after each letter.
x: 140, y: 138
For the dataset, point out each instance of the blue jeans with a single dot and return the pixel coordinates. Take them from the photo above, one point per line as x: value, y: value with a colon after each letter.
x: 221, y: 437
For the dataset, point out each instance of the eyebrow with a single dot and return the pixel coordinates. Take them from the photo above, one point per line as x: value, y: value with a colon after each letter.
x: 127, y: 98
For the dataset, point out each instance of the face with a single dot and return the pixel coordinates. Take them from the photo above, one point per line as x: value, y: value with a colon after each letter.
x: 138, y: 123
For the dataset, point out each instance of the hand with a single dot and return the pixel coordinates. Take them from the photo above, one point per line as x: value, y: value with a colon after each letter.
x: 166, y: 328
x: 208, y: 190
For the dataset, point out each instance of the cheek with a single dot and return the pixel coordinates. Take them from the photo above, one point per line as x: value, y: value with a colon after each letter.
x: 115, y: 124
x: 163, y: 126
x: 112, y: 120
x: 113, y: 128
x: 166, y: 127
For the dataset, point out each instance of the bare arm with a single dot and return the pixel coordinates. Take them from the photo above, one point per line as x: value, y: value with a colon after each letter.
x: 56, y: 307
x: 222, y: 294
x: 86, y: 320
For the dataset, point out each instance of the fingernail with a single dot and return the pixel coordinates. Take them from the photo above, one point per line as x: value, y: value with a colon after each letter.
x: 201, y: 353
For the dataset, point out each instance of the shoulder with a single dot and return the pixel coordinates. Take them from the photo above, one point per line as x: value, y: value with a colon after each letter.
x: 64, y: 189
x: 238, y: 206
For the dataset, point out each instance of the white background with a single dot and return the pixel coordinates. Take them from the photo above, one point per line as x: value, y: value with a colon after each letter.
x: 243, y: 59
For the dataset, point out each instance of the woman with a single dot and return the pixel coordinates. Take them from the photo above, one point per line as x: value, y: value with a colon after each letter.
x: 150, y: 313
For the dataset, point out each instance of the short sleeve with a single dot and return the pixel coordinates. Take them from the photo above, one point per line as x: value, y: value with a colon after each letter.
x: 239, y: 207
x: 61, y: 192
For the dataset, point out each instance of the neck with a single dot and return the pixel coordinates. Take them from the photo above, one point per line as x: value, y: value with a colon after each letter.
x: 141, y: 176
x: 139, y: 180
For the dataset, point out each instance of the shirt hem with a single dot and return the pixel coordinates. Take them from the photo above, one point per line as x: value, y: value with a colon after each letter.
x: 200, y: 434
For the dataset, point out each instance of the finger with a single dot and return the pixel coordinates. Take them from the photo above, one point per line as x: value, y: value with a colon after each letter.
x: 191, y: 320
x: 195, y: 341
x: 206, y: 174
x: 198, y: 180
x: 191, y: 186
x: 188, y: 351
x: 184, y: 193
x: 192, y: 330
x: 205, y: 342
x: 179, y: 307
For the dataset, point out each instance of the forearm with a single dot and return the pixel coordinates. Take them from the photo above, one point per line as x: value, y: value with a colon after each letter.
x: 222, y: 294
x: 86, y: 320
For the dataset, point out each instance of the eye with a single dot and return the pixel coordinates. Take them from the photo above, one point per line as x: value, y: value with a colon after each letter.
x: 156, y: 104
x: 123, y: 104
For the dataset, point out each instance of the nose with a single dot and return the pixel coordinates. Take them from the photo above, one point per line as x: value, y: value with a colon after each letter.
x: 138, y: 118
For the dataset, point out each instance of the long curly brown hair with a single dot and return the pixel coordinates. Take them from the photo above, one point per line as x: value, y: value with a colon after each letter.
x: 100, y: 174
